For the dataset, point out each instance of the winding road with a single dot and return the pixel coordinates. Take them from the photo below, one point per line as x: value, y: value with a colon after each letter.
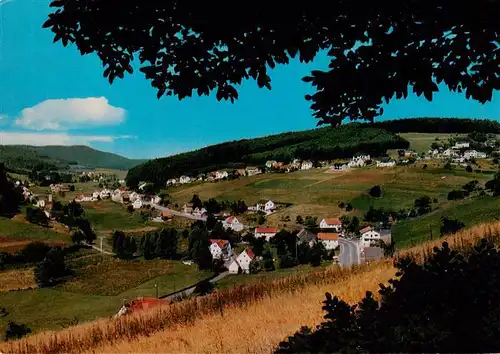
x: 188, y: 291
x: 349, y: 252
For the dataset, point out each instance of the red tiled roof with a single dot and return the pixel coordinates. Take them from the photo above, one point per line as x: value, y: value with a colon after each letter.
x: 231, y: 219
x: 333, y: 221
x: 250, y: 253
x: 265, y: 230
x: 365, y: 229
x: 328, y: 236
x: 221, y: 243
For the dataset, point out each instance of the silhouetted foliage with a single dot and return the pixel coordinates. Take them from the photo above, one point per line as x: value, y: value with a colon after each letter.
x: 206, y: 57
x: 10, y: 196
x: 348, y: 207
x: 199, y: 248
x: 494, y: 185
x: 203, y: 288
x: 410, y: 316
x: 16, y: 331
x: 468, y: 168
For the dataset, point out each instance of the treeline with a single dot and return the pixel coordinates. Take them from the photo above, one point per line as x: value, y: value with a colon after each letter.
x: 316, y: 144
x: 438, y: 125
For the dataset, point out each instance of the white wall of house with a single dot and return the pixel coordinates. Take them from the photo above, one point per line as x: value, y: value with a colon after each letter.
x: 368, y: 237
x: 137, y: 204
x: 234, y: 267
x: 216, y: 251
x: 330, y: 244
x: 244, y: 261
x: 266, y: 235
x: 323, y: 224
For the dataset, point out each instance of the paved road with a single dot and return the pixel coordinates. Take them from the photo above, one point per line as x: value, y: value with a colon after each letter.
x: 349, y: 252
x: 189, y: 291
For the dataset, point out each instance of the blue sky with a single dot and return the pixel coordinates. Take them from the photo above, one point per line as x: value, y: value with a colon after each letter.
x: 50, y: 94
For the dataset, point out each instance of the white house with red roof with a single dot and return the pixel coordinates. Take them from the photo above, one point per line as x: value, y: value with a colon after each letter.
x: 233, y: 223
x: 329, y: 239
x: 369, y: 236
x: 242, y: 261
x: 331, y: 223
x: 220, y: 249
x: 266, y: 232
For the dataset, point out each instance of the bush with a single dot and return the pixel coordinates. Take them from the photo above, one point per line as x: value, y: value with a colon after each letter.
x: 348, y: 207
x: 376, y: 191
x: 53, y: 267
x: 409, y: 316
x: 468, y: 168
x: 16, y: 331
x: 457, y: 194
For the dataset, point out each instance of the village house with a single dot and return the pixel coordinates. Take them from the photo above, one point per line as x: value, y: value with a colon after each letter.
x: 155, y: 199
x: 137, y: 204
x: 125, y: 197
x: 199, y: 212
x: 105, y: 194
x: 241, y: 172
x: 470, y: 154
x: 329, y: 239
x: 461, y: 145
x: 331, y: 223
x: 358, y: 161
x: 59, y: 188
x: 166, y: 215
x: 409, y: 153
x: 232, y: 223
x: 278, y: 165
x: 450, y: 153
x: 84, y: 198
x: 265, y: 232
x: 184, y: 179
x: 270, y: 163
x: 171, y: 182
x: 220, y: 249
x: 242, y: 261
x: 221, y: 174
x: 252, y: 171
x: 339, y: 167
x: 306, y: 165
x: 370, y: 237
x: 391, y: 163
x: 188, y: 208
x: 43, y: 201
x: 201, y: 177
x: 307, y: 237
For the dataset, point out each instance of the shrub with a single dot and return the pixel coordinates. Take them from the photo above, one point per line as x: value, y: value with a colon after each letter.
x: 16, y: 331
x: 410, y: 317
x: 375, y: 191
x: 468, y: 168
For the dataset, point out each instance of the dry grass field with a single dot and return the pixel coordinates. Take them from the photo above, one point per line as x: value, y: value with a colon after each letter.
x: 17, y: 279
x: 266, y: 313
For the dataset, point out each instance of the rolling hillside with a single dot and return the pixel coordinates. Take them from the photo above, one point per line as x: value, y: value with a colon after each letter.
x: 25, y: 157
x: 317, y: 144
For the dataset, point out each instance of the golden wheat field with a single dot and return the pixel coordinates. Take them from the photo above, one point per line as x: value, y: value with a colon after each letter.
x: 247, y: 319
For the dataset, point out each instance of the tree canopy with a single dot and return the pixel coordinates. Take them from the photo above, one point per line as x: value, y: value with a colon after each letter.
x: 377, y: 50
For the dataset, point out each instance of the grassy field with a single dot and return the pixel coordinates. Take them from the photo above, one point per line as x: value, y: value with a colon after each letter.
x: 97, y: 290
x: 236, y: 280
x: 19, y: 229
x: 317, y: 193
x: 421, y: 142
x: 107, y: 216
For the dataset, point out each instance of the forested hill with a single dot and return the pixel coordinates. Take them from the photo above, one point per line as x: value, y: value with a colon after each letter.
x: 317, y: 144
x: 25, y: 157
x: 439, y: 125
x: 86, y: 156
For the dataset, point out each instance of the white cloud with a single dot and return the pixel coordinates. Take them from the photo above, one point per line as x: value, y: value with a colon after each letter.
x: 41, y: 139
x: 71, y: 113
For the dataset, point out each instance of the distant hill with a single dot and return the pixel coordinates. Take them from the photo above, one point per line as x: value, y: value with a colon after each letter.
x: 439, y: 125
x: 25, y: 157
x: 317, y: 144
